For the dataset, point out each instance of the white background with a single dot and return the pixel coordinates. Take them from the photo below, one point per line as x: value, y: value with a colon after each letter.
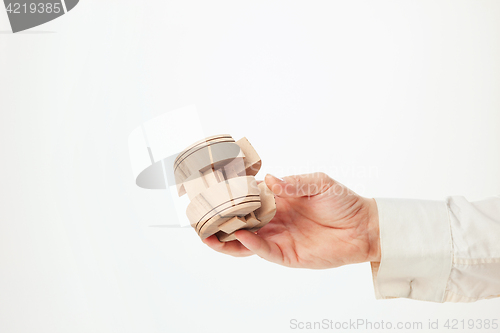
x: 408, y: 90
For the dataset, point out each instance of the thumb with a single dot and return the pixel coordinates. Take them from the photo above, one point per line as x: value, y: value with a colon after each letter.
x: 299, y: 186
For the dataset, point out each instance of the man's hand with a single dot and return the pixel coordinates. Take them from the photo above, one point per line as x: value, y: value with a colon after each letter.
x: 319, y: 223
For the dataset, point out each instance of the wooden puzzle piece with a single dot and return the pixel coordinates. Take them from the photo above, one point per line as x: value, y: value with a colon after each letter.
x: 267, y: 210
x: 204, y: 142
x: 191, y: 164
x: 213, y: 156
x: 212, y: 177
x: 194, y: 185
x: 242, y: 187
x: 211, y: 226
x: 201, y: 144
x: 224, y: 210
x: 233, y: 224
x: 223, y: 237
x: 218, y: 176
x: 236, y: 168
x: 227, y: 235
x: 200, y: 181
x: 217, y: 198
x: 252, y: 159
x: 251, y: 221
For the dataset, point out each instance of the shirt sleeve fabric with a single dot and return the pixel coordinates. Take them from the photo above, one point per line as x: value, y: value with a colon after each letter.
x: 438, y: 251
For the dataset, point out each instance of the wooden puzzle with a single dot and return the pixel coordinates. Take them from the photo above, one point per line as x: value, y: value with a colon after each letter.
x: 217, y: 174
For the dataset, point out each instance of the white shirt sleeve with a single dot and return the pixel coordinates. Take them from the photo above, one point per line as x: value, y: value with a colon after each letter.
x: 439, y: 251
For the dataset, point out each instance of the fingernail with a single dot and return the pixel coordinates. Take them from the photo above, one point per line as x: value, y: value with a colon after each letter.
x: 278, y: 178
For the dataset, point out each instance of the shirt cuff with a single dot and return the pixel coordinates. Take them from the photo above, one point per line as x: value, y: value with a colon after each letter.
x: 416, y: 250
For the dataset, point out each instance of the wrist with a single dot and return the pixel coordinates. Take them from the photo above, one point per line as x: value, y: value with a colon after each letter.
x: 374, y: 253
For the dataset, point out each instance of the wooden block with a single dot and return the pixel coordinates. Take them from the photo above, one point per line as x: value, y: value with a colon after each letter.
x: 213, y: 156
x: 241, y: 187
x: 252, y: 159
x: 219, y: 175
x: 230, y: 172
x: 194, y: 185
x: 235, y: 168
x: 223, y: 237
x: 211, y: 226
x: 198, y: 208
x: 251, y: 221
x: 210, y: 177
x: 223, y: 153
x: 233, y: 224
x: 208, y: 203
x: 217, y: 199
x: 196, y: 161
x: 202, y: 157
x: 202, y: 143
x: 267, y: 208
x: 201, y: 209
